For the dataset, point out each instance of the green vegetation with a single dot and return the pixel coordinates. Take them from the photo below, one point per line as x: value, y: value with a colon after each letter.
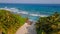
x: 10, y: 22
x: 49, y: 25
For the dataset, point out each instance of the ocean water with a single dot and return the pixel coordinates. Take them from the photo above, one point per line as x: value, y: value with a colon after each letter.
x: 32, y: 11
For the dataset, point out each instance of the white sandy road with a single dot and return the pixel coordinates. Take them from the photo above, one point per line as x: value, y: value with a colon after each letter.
x: 26, y: 29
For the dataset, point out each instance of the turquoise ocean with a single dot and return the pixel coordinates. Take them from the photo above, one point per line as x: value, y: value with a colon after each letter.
x: 32, y: 11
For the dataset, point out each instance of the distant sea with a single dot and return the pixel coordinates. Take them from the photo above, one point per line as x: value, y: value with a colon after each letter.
x: 32, y: 11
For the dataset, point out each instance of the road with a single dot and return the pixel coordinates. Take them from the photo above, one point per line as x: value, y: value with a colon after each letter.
x: 26, y: 29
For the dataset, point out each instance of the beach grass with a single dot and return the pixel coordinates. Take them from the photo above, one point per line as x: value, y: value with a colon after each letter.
x: 10, y: 22
x: 48, y: 25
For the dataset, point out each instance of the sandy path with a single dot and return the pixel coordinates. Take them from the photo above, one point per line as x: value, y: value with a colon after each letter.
x: 26, y: 29
x: 31, y: 29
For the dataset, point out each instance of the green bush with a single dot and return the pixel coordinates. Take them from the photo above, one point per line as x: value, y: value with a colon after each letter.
x: 48, y: 25
x: 10, y: 22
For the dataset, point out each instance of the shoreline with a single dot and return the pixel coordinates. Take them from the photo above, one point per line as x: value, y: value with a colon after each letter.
x: 15, y: 10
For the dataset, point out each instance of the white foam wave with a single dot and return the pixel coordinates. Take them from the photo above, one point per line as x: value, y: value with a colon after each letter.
x: 15, y: 10
x: 43, y: 15
x: 38, y: 15
x: 34, y: 14
x: 5, y: 8
x: 10, y: 9
x: 22, y: 12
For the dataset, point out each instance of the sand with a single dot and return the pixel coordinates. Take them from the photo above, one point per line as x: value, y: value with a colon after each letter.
x: 26, y: 29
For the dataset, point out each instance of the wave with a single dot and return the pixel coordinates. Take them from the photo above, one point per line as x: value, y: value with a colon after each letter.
x: 38, y: 15
x: 10, y: 9
x: 22, y: 12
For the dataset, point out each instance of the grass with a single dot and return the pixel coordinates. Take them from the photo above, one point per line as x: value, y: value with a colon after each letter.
x: 10, y: 22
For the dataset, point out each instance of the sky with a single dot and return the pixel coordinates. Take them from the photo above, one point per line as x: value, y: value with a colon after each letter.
x: 32, y: 1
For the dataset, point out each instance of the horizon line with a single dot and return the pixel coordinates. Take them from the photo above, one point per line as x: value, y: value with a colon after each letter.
x: 30, y: 3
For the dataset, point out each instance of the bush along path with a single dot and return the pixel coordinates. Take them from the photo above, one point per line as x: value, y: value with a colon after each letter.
x: 10, y: 22
x: 49, y: 25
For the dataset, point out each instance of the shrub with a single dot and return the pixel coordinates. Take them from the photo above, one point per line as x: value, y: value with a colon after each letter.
x: 10, y: 22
